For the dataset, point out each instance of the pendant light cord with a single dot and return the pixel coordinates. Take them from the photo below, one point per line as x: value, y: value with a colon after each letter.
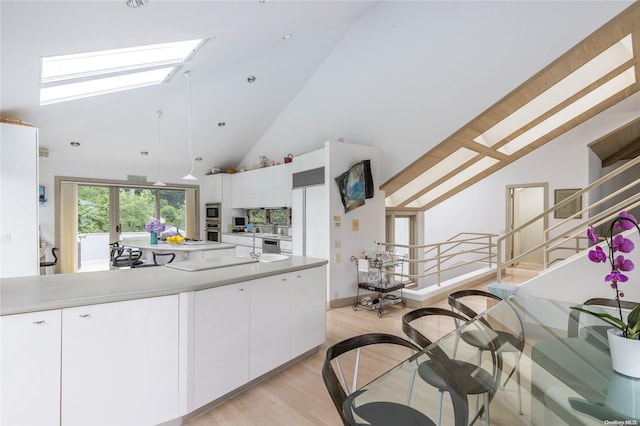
x: 159, y: 181
x: 187, y: 74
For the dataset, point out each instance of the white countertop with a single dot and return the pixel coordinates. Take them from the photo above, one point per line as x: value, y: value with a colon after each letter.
x: 145, y: 244
x: 45, y: 292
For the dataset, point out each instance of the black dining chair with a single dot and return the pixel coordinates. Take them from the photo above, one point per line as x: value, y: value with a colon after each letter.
x: 124, y: 257
x: 379, y: 413
x: 168, y: 258
x: 473, y: 379
x: 503, y: 341
x: 51, y: 263
x: 595, y: 334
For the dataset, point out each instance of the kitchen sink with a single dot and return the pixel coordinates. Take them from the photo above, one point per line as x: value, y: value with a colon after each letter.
x: 272, y: 257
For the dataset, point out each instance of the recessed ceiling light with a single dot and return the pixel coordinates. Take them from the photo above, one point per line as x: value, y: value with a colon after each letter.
x: 222, y: 124
x: 74, y: 143
x: 136, y: 3
x: 251, y: 78
x: 286, y: 36
x: 143, y: 153
x: 198, y: 159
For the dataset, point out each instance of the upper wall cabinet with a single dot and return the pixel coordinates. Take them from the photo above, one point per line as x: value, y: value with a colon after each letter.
x: 267, y: 187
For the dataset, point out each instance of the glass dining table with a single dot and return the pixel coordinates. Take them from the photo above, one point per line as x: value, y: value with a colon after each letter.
x: 564, y: 380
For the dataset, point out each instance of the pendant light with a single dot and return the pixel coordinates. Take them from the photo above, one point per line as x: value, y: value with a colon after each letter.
x: 159, y: 182
x: 190, y: 176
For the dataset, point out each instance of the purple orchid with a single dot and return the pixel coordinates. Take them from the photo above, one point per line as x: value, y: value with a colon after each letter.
x: 625, y: 221
x: 621, y: 244
x: 619, y: 264
x: 598, y: 255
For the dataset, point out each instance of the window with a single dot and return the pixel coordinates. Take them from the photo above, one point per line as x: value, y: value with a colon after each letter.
x: 77, y: 76
x: 279, y: 216
x: 257, y: 216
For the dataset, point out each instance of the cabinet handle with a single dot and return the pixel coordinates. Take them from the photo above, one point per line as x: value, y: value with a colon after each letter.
x: 39, y: 322
x: 84, y: 315
x: 283, y: 279
x: 241, y: 289
x: 299, y: 276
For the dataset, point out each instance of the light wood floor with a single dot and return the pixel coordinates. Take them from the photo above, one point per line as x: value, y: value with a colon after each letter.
x: 297, y: 395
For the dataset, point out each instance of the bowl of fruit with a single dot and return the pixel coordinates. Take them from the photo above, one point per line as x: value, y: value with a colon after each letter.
x: 175, y: 239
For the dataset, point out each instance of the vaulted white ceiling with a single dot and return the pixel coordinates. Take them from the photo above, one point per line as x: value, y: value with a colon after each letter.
x: 402, y: 76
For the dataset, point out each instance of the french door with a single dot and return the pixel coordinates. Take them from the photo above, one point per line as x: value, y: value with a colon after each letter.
x: 92, y: 214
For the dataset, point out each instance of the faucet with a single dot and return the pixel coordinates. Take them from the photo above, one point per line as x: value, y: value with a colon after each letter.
x: 253, y: 253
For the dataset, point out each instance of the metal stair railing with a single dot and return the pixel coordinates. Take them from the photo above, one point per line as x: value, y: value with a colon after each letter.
x: 568, y: 228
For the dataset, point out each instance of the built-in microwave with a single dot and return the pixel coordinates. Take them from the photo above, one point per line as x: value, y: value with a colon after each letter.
x: 212, y: 211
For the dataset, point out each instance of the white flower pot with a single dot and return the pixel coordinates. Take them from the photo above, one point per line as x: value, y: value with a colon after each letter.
x: 625, y: 353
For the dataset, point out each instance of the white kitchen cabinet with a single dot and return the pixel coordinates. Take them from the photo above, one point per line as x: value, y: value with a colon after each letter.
x: 270, y: 336
x: 19, y: 201
x: 282, y: 183
x: 261, y: 188
x: 221, y: 336
x: 30, y: 379
x: 244, y: 243
x: 308, y: 309
x: 120, y: 363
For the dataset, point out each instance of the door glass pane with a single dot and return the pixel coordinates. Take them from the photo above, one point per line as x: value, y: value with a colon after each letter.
x: 137, y: 206
x: 172, y: 210
x: 93, y: 228
x: 402, y: 228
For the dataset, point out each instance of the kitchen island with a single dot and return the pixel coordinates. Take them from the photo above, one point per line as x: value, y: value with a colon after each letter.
x: 152, y: 345
x: 188, y: 250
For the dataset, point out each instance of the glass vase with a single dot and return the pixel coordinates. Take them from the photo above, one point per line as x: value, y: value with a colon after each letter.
x: 154, y: 238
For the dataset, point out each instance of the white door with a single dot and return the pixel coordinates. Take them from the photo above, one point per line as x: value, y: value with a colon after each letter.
x: 524, y: 204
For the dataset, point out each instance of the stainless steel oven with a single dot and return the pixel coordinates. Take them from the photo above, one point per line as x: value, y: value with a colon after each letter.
x: 212, y: 232
x: 212, y: 211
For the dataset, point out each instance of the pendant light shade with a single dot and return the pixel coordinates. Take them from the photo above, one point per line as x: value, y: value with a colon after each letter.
x: 158, y: 181
x: 190, y: 176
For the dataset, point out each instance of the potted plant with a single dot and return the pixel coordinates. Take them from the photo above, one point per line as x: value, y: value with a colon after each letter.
x: 624, y: 338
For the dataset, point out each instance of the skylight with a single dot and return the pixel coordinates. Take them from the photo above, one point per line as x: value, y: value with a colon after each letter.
x: 598, y: 67
x: 81, y: 75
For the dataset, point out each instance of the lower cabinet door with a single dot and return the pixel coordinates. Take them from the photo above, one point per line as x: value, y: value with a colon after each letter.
x: 221, y: 341
x: 270, y: 330
x: 308, y: 309
x: 30, y: 378
x: 120, y: 363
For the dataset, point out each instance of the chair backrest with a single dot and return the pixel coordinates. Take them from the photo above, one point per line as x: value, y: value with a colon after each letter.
x: 53, y: 253
x: 457, y: 305
x: 414, y: 334
x: 338, y: 389
x: 169, y: 257
x: 574, y: 316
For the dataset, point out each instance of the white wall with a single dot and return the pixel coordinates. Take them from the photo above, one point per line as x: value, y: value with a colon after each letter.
x: 578, y: 279
x: 345, y: 240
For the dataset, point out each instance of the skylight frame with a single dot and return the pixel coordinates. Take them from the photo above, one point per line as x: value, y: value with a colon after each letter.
x: 85, y: 74
x: 607, y: 61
